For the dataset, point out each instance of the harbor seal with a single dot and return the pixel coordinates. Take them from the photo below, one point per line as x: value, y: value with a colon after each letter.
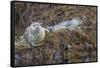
x: 34, y: 34
x: 68, y: 24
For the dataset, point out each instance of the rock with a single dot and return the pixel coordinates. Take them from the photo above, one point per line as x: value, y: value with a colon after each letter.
x: 67, y: 46
x: 58, y: 57
x: 18, y: 59
x: 88, y: 46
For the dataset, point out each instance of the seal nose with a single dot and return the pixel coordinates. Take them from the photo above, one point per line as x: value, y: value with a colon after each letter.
x: 37, y: 27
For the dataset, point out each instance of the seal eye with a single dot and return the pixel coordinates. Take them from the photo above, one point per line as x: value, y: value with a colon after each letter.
x: 33, y: 25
